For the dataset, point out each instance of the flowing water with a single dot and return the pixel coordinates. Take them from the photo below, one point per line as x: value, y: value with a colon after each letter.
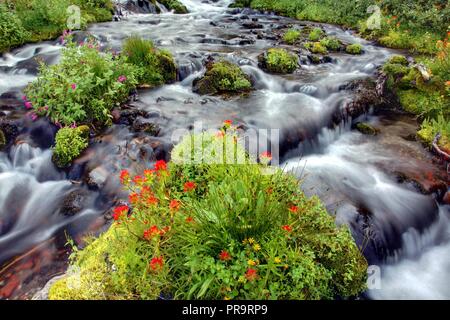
x: 400, y: 229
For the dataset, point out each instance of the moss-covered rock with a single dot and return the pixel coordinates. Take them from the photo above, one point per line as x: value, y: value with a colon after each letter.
x: 174, y: 5
x: 2, y: 140
x: 367, y: 129
x: 69, y: 144
x: 222, y: 77
x: 291, y: 36
x: 331, y: 43
x: 316, y: 34
x: 355, y: 49
x: 316, y: 47
x: 398, y: 60
x: 277, y: 60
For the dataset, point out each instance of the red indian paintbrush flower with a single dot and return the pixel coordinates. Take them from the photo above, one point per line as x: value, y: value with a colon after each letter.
x: 224, y: 256
x: 156, y: 263
x: 119, y: 211
x: 134, y: 197
x: 287, y: 228
x: 293, y: 209
x: 124, y: 176
x: 151, y: 232
x: 228, y: 123
x: 160, y: 165
x: 266, y: 155
x: 251, y: 274
x: 174, y: 205
x: 189, y: 186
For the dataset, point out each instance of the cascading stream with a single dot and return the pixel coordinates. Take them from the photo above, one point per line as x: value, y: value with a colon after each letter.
x: 354, y: 174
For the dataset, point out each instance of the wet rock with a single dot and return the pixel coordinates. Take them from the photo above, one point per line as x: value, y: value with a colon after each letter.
x: 316, y: 59
x: 128, y: 115
x: 144, y: 125
x: 74, y: 202
x: 141, y: 6
x: 252, y: 25
x: 97, y: 178
x: 446, y: 198
x: 366, y: 128
x: 10, y: 131
x: 2, y: 140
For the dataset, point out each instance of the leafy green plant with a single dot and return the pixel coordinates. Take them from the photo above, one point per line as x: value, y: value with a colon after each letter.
x: 157, y: 66
x: 316, y: 47
x: 216, y: 231
x: 12, y: 33
x: 69, y: 143
x: 174, y: 5
x: 331, y: 43
x: 83, y: 87
x: 279, y: 61
x: 291, y: 36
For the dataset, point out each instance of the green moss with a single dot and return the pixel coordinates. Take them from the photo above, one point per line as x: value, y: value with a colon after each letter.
x: 70, y: 143
x: 222, y: 77
x: 366, y: 128
x: 331, y: 43
x: 355, y: 48
x: 279, y: 61
x: 316, y: 47
x: 398, y: 60
x: 291, y: 36
x: 316, y: 34
x: 174, y: 5
x: 2, y: 139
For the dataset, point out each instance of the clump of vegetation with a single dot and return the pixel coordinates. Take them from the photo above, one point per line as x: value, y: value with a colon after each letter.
x: 216, y: 231
x: 157, y: 66
x: 2, y: 139
x: 222, y: 77
x: 174, y: 5
x: 278, y: 61
x: 355, y: 48
x: 83, y: 87
x: 316, y: 34
x: 69, y: 144
x: 12, y: 33
x: 316, y: 47
x: 36, y: 20
x: 291, y: 36
x: 331, y: 43
x: 412, y: 25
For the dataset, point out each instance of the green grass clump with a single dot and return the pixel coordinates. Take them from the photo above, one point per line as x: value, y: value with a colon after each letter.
x: 279, y: 61
x: 331, y: 43
x: 355, y: 48
x: 316, y: 47
x: 174, y: 5
x: 222, y: 77
x: 209, y: 230
x: 291, y: 36
x: 69, y: 144
x: 316, y: 34
x: 157, y: 66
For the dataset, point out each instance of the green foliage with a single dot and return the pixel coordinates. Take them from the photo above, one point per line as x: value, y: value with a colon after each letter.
x: 291, y: 36
x: 239, y: 232
x: 12, y: 33
x: 316, y: 47
x: 83, y: 87
x: 174, y: 5
x: 415, y: 25
x: 280, y: 61
x: 431, y: 127
x: 316, y: 34
x: 331, y: 43
x: 70, y: 142
x: 222, y: 77
x: 355, y: 48
x: 157, y: 66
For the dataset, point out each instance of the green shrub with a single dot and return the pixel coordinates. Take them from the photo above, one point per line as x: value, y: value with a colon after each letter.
x: 83, y: 87
x: 222, y: 77
x: 69, y: 144
x: 316, y: 34
x: 215, y: 231
x: 279, y: 61
x: 316, y: 47
x: 355, y: 48
x: 331, y: 43
x: 12, y: 32
x: 157, y: 66
x: 291, y: 36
